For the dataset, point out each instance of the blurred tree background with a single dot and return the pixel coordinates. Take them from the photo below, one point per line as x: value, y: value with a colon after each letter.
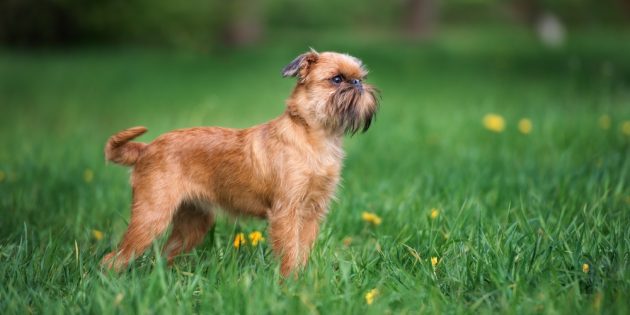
x: 206, y: 24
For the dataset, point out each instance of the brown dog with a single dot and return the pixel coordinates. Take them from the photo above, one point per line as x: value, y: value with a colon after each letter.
x: 285, y: 170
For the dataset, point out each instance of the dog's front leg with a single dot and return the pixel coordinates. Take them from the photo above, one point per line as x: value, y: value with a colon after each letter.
x: 309, y: 228
x: 285, y: 224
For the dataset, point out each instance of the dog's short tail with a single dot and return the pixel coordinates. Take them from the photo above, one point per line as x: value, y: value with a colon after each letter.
x: 119, y: 150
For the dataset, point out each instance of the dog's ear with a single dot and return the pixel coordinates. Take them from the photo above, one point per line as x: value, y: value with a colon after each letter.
x: 300, y: 66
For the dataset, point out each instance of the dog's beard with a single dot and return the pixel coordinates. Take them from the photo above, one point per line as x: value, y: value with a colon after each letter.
x: 353, y: 109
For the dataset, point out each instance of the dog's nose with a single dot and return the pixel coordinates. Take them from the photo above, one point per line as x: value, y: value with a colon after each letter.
x: 357, y: 84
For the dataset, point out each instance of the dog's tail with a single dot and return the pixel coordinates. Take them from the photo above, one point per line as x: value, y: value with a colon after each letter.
x: 119, y: 150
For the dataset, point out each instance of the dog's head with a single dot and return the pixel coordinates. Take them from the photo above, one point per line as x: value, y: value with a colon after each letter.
x: 331, y: 93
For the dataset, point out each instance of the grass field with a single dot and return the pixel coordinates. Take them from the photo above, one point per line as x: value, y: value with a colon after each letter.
x: 525, y: 222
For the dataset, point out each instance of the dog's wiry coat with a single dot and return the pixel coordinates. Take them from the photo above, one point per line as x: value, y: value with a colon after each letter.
x: 285, y: 170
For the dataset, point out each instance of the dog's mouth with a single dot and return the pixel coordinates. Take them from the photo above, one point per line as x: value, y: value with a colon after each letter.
x: 354, y: 108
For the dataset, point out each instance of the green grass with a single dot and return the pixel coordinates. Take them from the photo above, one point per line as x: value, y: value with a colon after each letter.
x: 519, y: 214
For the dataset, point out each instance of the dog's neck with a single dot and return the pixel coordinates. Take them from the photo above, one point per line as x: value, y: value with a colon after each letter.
x: 292, y: 126
x: 298, y: 123
x: 309, y: 125
x: 296, y: 118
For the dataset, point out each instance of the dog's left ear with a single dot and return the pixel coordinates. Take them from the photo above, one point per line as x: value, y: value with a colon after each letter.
x: 301, y: 65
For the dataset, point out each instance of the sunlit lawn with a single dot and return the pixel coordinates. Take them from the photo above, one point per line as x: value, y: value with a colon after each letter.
x: 495, y: 178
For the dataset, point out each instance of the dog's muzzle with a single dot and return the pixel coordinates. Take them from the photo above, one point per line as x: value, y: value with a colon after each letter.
x: 357, y: 85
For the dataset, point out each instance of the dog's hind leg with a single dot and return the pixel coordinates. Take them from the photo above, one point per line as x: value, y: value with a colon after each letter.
x: 190, y: 225
x: 152, y: 212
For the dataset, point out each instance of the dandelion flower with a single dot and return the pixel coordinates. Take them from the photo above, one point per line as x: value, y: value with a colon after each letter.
x: 347, y: 241
x: 435, y: 213
x: 434, y: 261
x: 370, y: 295
x: 604, y: 122
x: 586, y: 268
x: 255, y: 237
x: 525, y: 126
x: 239, y: 240
x: 88, y: 175
x: 625, y: 128
x: 98, y: 235
x: 494, y: 122
x: 2, y: 176
x: 371, y: 217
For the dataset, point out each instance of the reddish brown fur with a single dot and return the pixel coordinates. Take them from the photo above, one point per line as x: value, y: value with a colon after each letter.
x: 285, y: 170
x: 119, y: 150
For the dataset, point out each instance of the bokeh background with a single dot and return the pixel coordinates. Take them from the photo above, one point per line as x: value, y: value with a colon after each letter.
x: 62, y: 59
x: 210, y: 25
x: 501, y: 149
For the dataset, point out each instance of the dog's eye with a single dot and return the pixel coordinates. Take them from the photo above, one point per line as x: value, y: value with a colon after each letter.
x: 337, y: 79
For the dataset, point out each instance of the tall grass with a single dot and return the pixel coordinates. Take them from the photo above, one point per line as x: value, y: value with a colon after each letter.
x: 518, y: 215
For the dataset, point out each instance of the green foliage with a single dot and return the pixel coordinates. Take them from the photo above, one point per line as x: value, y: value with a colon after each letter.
x: 519, y: 214
x: 195, y: 23
x: 334, y: 15
x: 157, y: 21
x: 203, y: 25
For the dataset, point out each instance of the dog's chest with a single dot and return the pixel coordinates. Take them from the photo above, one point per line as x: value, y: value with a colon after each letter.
x: 323, y: 168
x: 322, y: 183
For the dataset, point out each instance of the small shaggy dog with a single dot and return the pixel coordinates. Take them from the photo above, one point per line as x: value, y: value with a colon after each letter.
x: 285, y: 170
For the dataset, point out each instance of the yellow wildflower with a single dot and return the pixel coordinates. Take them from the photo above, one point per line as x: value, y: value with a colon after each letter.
x: 370, y: 295
x: 88, y: 175
x: 98, y: 235
x: 434, y: 213
x: 371, y: 217
x: 347, y: 241
x: 625, y: 127
x: 2, y: 176
x: 239, y: 240
x: 586, y: 268
x: 494, y: 122
x: 525, y: 126
x: 434, y: 261
x: 604, y: 121
x: 256, y: 237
